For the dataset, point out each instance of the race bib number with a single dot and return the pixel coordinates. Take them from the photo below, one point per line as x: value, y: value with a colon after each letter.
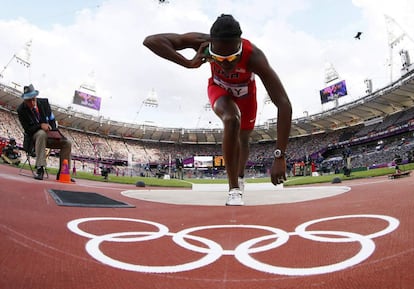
x: 236, y: 89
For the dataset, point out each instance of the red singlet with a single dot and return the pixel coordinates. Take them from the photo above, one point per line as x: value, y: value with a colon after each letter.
x: 239, y: 84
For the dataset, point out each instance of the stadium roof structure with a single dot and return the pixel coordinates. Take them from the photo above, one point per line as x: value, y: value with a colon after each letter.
x: 396, y: 97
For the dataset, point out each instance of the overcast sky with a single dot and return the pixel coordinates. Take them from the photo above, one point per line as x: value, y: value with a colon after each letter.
x: 100, y: 43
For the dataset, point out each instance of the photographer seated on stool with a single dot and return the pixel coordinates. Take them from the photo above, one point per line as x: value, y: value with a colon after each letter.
x: 39, y: 124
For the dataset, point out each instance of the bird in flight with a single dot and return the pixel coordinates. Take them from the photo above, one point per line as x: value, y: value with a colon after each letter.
x: 358, y: 36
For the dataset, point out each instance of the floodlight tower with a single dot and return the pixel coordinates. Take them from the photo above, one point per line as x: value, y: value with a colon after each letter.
x: 205, y: 109
x: 330, y: 75
x: 368, y: 85
x: 405, y: 61
x: 89, y: 85
x: 395, y: 35
x: 150, y: 101
x: 22, y: 57
x: 266, y: 102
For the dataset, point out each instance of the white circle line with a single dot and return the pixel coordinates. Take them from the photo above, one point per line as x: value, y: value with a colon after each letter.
x: 393, y: 223
x: 367, y: 248
x: 93, y: 248
x: 74, y: 227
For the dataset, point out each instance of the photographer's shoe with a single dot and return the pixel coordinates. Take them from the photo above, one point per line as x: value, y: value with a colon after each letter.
x: 39, y: 173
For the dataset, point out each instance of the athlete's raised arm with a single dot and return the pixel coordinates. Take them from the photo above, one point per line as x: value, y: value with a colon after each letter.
x: 167, y: 46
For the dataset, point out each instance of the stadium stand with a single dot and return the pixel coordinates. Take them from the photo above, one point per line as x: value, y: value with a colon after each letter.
x: 385, y: 116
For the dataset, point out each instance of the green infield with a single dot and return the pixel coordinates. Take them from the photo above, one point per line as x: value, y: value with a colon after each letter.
x: 187, y: 182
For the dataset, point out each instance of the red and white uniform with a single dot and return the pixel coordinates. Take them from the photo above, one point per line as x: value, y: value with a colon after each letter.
x: 239, y: 84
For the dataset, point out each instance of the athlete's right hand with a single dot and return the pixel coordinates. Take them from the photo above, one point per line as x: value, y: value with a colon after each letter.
x: 200, y: 57
x: 278, y: 171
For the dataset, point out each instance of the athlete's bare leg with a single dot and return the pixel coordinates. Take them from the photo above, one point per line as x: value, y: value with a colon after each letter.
x: 244, y: 150
x: 229, y: 113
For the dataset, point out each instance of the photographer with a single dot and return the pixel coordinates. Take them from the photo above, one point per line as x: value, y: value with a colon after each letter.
x: 397, y: 161
x: 39, y: 125
x: 105, y: 172
x: 10, y: 153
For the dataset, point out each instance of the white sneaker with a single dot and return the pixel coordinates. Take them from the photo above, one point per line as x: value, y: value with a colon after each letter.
x: 241, y: 184
x: 235, y: 198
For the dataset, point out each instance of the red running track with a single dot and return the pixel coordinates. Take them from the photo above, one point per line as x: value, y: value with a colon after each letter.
x: 365, y: 240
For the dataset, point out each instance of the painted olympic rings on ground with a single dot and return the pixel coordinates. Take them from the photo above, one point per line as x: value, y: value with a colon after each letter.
x: 243, y: 252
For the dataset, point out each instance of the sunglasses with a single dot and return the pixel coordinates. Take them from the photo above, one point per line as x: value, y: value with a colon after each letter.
x: 221, y: 58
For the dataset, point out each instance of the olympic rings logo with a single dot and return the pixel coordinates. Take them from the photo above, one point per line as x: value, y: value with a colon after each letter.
x: 243, y: 252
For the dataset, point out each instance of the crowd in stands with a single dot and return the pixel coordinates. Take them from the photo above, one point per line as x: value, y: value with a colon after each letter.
x: 371, y: 146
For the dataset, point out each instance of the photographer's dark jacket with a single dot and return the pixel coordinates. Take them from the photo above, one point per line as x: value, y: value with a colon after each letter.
x: 29, y: 121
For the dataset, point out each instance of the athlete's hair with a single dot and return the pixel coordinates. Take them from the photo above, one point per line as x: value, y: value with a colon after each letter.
x: 225, y: 28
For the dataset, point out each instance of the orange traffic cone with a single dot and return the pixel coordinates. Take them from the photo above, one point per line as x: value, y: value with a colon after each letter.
x: 64, y: 176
